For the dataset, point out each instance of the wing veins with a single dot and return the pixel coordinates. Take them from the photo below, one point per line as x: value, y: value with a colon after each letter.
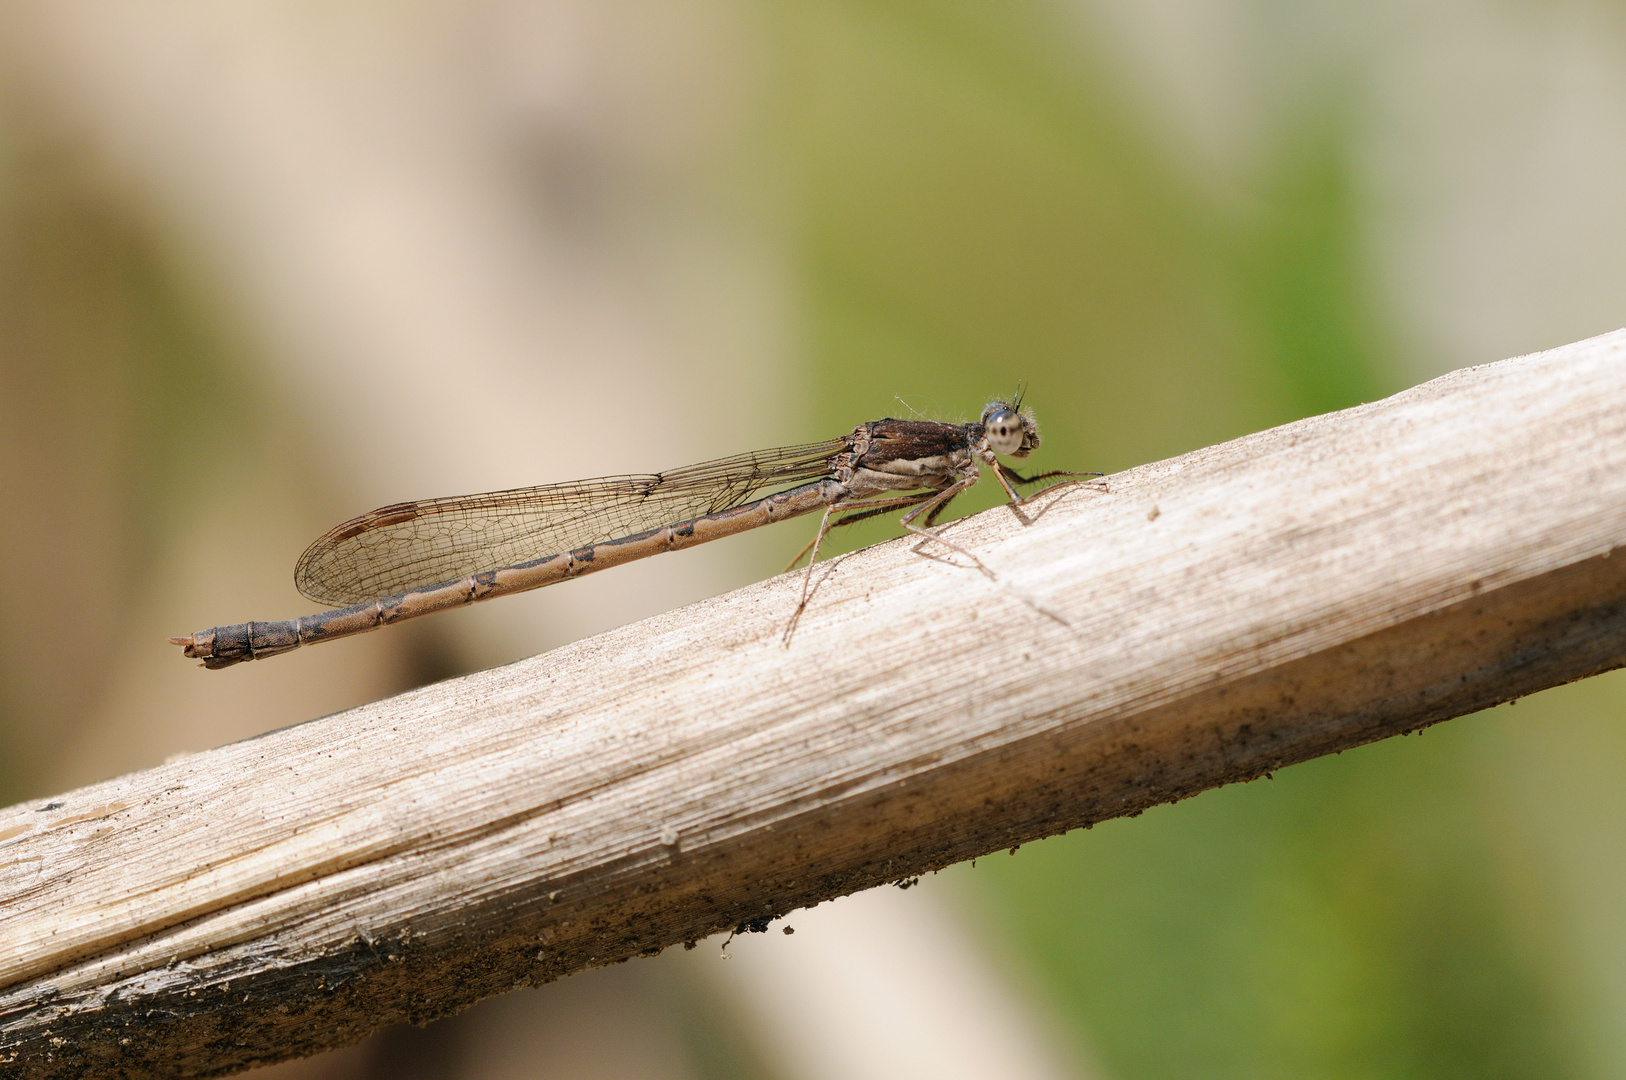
x: 407, y: 546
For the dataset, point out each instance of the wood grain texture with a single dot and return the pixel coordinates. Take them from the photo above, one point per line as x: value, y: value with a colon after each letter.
x: 1221, y: 614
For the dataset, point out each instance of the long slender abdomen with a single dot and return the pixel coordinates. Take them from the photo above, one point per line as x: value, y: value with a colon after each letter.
x: 223, y: 646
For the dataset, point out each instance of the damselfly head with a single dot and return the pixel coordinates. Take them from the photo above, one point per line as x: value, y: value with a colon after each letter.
x: 1009, y: 430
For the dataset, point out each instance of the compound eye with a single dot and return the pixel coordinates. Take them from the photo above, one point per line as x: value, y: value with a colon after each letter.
x: 1004, y: 429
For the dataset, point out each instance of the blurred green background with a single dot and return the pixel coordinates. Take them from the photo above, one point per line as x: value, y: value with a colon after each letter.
x: 741, y: 225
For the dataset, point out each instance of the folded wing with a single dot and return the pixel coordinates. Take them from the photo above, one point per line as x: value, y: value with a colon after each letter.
x: 407, y: 546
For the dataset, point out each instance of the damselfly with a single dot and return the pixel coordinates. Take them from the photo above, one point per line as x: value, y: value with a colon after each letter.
x: 416, y: 558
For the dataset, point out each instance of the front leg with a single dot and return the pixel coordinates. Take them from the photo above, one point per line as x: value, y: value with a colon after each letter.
x: 1009, y: 477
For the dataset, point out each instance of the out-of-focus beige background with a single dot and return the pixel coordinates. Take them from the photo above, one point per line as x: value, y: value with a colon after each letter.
x: 264, y: 266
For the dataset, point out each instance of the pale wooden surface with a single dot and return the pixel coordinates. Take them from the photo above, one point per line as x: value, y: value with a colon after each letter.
x: 1243, y: 607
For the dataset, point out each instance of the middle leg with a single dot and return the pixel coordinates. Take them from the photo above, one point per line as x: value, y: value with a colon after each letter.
x: 868, y: 508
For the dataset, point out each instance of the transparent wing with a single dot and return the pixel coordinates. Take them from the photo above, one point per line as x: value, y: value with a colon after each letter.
x: 408, y: 546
